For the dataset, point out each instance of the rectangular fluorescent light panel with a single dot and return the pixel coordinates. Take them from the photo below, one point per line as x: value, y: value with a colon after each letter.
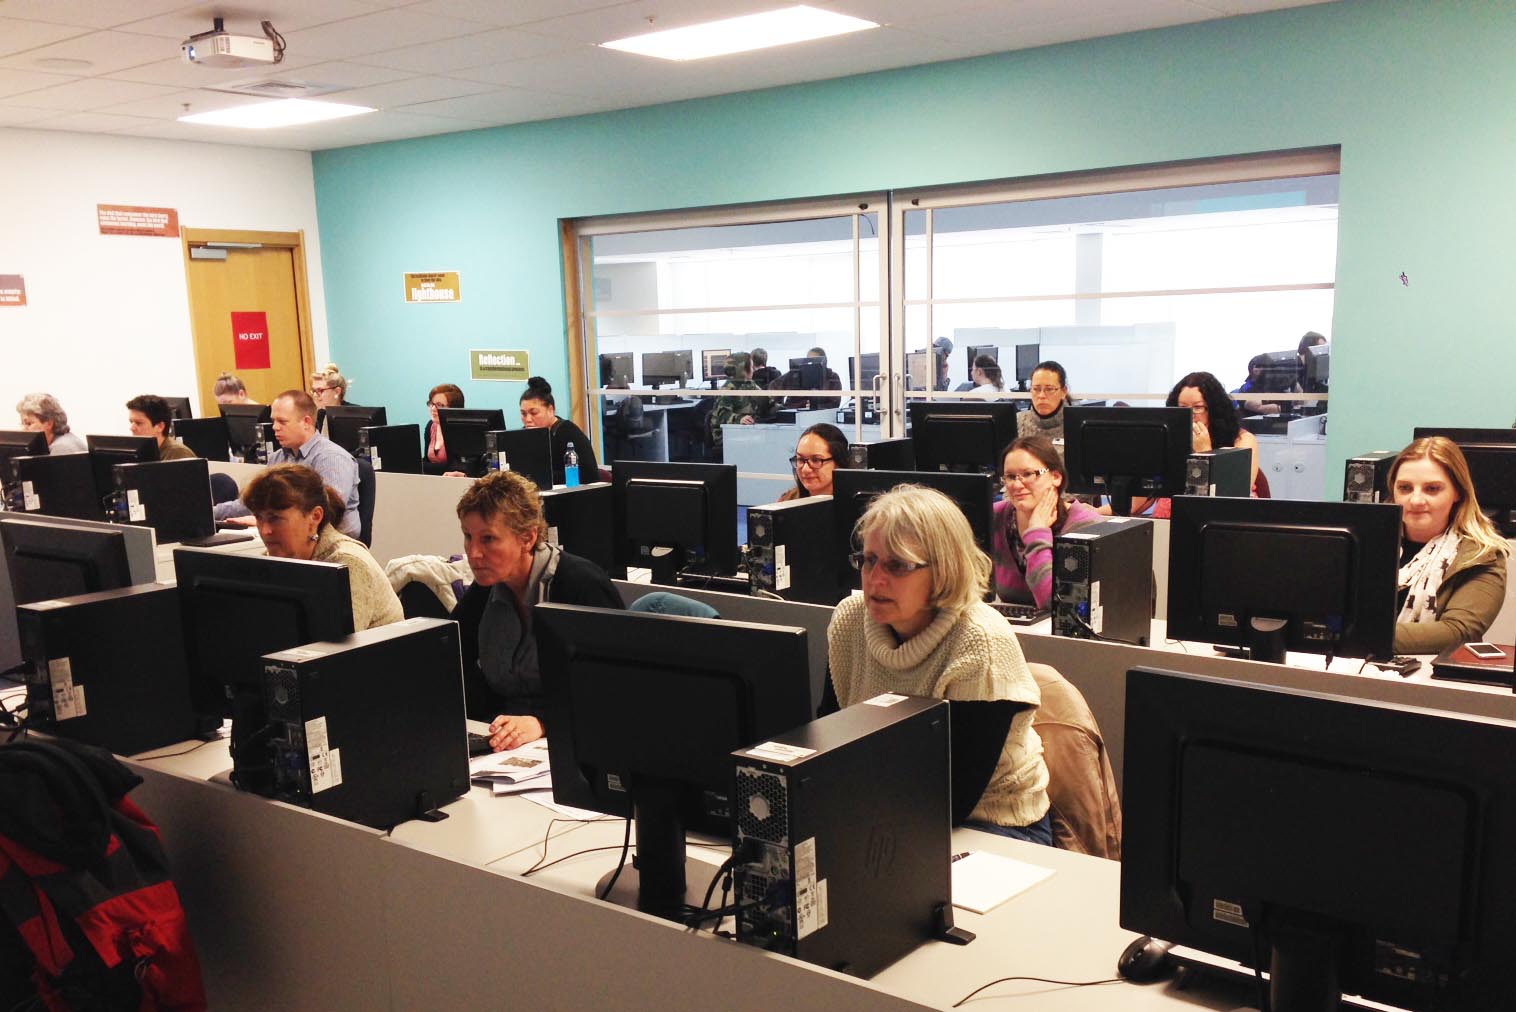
x: 287, y: 112
x: 741, y: 34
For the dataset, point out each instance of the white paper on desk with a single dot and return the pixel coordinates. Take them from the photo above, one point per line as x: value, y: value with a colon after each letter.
x: 522, y: 763
x: 982, y: 881
x: 499, y: 788
x: 545, y: 799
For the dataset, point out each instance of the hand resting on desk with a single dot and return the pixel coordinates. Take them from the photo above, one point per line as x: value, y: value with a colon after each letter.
x: 507, y: 732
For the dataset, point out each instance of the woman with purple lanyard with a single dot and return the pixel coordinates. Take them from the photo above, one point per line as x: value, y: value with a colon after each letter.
x: 1026, y: 519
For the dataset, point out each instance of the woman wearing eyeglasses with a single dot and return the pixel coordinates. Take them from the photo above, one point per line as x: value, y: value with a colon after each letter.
x: 1032, y: 511
x: 921, y: 628
x: 821, y: 450
x: 443, y: 395
x: 1050, y: 392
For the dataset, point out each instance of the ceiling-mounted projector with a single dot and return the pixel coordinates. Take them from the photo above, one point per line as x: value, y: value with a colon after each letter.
x: 220, y: 48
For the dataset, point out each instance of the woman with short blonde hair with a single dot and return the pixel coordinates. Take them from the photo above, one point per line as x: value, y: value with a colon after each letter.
x: 921, y: 628
x: 329, y: 386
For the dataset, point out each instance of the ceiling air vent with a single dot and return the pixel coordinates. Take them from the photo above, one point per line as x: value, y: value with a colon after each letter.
x: 279, y: 89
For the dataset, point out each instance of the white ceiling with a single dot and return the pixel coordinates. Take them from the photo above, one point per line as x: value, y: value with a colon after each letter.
x: 438, y: 66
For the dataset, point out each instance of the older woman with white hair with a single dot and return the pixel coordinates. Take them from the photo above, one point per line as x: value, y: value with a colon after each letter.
x: 42, y: 413
x: 921, y: 628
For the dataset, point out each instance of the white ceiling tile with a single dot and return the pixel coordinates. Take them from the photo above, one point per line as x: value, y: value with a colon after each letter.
x: 176, y: 73
x: 374, y: 33
x: 89, y: 13
x: 512, y: 12
x: 172, y: 104
x: 12, y: 115
x: 91, y: 93
x: 17, y: 36
x: 890, y: 12
x: 409, y: 91
x: 588, y: 71
x: 106, y: 52
x: 14, y: 82
x: 448, y: 55
x: 287, y: 16
x: 89, y: 122
x: 343, y: 75
x: 509, y: 105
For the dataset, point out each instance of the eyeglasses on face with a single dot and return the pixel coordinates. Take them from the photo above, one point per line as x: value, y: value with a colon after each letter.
x: 436, y: 404
x: 895, y: 567
x: 1047, y: 391
x: 1025, y: 477
x: 814, y: 463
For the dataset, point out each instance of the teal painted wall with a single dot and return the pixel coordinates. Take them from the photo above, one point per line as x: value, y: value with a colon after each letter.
x: 1418, y: 94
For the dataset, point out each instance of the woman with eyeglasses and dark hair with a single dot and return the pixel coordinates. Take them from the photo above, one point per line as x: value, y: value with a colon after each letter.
x: 921, y: 628
x: 1050, y: 393
x: 1033, y: 510
x: 821, y: 450
x: 443, y: 395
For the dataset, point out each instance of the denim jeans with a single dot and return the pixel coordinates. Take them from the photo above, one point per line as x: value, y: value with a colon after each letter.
x: 1040, y: 831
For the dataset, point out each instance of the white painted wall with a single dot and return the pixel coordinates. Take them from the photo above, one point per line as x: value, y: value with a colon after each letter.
x: 107, y: 317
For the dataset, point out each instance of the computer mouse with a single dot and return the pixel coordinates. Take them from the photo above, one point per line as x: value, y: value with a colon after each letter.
x: 1147, y: 959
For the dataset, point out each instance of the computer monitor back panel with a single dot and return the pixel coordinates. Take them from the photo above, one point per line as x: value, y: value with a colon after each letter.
x: 95, y: 678
x: 720, y: 482
x: 961, y: 437
x: 528, y: 452
x: 345, y: 421
x: 17, y: 443
x: 173, y: 497
x: 207, y: 437
x: 1403, y: 884
x: 582, y: 519
x: 370, y: 729
x: 60, y: 485
x: 1126, y: 451
x: 858, y: 825
x: 463, y: 430
x: 393, y: 448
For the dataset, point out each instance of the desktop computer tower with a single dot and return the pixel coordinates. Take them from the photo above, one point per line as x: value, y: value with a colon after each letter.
x: 1367, y: 477
x: 1224, y: 472
x: 263, y: 449
x: 1103, y: 581
x: 582, y: 520
x: 109, y: 669
x: 790, y: 550
x: 844, y: 830
x: 173, y: 497
x: 371, y: 728
x: 884, y: 455
x: 393, y: 448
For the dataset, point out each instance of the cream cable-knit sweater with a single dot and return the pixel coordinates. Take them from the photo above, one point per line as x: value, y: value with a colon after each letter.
x: 969, y: 655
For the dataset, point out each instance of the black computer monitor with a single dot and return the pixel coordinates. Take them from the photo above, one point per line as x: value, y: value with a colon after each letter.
x: 863, y: 377
x: 345, y: 420
x: 463, y: 432
x: 1027, y: 357
x: 672, y: 516
x: 853, y: 489
x: 242, y: 421
x: 1282, y: 574
x: 1126, y: 452
x: 1280, y: 371
x: 962, y: 437
x: 529, y: 452
x: 713, y: 363
x: 179, y: 407
x: 616, y: 369
x: 48, y: 561
x: 1491, y: 454
x: 17, y: 443
x: 107, y: 451
x: 973, y: 351
x: 61, y: 484
x: 207, y: 437
x: 173, y: 497
x: 236, y: 608
x: 644, y: 711
x: 1318, y: 368
x: 393, y: 448
x: 919, y: 374
x: 1345, y: 845
x: 673, y: 367
x: 810, y: 373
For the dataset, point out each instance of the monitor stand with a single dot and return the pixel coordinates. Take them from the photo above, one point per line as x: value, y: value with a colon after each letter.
x: 662, y: 882
x: 1266, y: 640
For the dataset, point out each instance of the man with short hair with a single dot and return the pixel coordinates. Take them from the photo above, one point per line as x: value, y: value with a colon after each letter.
x: 294, y: 416
x: 792, y: 381
x: 150, y: 415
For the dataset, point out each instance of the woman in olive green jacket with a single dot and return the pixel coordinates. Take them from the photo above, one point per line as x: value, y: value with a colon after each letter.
x: 1453, y: 560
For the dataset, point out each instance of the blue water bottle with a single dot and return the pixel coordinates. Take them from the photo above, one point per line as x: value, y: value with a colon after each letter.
x: 571, y: 468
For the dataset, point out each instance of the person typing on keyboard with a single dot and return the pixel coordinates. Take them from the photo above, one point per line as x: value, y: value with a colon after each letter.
x: 1026, y: 519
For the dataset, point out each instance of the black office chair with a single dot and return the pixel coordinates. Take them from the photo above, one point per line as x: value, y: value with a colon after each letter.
x: 365, y: 502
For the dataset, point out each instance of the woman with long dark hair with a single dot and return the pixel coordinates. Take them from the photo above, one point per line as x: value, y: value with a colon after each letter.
x: 820, y: 450
x: 1033, y: 510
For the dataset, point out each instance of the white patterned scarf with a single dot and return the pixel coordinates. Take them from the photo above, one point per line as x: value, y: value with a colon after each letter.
x: 1423, y: 576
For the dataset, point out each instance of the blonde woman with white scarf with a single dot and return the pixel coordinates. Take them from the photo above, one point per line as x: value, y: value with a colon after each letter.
x: 1453, y: 560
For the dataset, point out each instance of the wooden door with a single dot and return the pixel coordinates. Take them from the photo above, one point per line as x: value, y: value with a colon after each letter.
x: 261, y: 272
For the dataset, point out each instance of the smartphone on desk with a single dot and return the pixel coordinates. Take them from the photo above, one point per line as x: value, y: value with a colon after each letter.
x: 1485, y: 651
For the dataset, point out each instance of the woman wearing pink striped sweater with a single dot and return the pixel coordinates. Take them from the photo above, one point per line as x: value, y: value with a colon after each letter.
x: 1025, y: 520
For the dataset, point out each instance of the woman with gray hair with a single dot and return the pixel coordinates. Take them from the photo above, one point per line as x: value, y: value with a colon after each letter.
x: 42, y: 413
x: 921, y: 628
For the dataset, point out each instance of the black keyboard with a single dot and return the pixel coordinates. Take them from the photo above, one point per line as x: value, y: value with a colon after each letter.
x: 1019, y: 614
x: 478, y: 744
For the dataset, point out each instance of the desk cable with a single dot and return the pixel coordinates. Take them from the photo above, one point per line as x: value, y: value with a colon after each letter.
x: 1097, y: 636
x: 543, y: 863
x: 1040, y: 980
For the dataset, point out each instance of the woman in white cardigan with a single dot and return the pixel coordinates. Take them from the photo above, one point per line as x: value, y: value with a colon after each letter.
x: 921, y: 628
